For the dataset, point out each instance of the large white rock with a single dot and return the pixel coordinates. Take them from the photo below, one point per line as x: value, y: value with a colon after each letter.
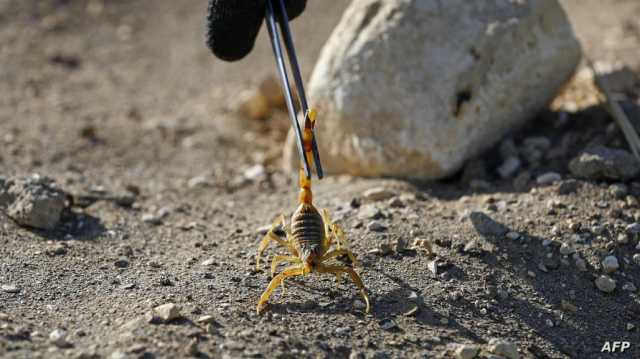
x: 413, y: 88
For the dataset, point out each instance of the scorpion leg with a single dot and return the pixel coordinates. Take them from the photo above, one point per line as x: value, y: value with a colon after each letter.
x: 279, y: 223
x: 279, y: 258
x: 275, y: 282
x: 321, y: 268
x: 339, y: 252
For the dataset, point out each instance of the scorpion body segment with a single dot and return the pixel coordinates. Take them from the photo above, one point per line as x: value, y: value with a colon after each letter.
x: 307, y: 232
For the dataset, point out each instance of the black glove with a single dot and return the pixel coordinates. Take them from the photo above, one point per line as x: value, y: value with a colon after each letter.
x: 232, y: 25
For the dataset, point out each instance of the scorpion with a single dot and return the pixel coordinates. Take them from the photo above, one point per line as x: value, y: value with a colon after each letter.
x: 311, y: 239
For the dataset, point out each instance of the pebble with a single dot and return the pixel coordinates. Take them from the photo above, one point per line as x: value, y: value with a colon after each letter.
x: 358, y: 304
x: 509, y: 167
x: 605, y: 283
x: 420, y: 243
x: 629, y: 287
x: 396, y: 202
x: 610, y: 264
x: 548, y: 178
x: 167, y: 312
x: 58, y: 337
x: 466, y: 351
x: 9, y: 288
x: 568, y: 186
x: 581, y: 264
x: 513, y: 235
x: 384, y: 249
x: 601, y: 162
x: 208, y: 262
x: 378, y: 194
x: 504, y: 348
x: 388, y: 324
x: 622, y: 238
x: 636, y: 258
x: 57, y: 249
x: 122, y: 262
x: 633, y: 229
x: 376, y: 226
x: 619, y: 190
x: 567, y: 249
x: 192, y: 348
x: 568, y: 306
x: 255, y: 172
x: 205, y: 319
x: 486, y: 226
x: 34, y: 201
x: 433, y: 267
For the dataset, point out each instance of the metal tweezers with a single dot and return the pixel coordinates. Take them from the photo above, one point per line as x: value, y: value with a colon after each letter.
x: 295, y: 69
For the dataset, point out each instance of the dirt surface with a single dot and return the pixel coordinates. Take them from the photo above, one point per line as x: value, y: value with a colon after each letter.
x: 120, y: 99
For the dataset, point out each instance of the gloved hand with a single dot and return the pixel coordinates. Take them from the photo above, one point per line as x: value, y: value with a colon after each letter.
x: 232, y: 25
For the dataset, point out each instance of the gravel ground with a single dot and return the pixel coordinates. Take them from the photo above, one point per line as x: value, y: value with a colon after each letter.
x: 120, y: 104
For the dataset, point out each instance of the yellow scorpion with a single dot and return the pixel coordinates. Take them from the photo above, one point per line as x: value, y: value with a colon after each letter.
x: 309, y: 239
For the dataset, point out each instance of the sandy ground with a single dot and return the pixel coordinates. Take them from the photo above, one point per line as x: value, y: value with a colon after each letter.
x: 126, y: 99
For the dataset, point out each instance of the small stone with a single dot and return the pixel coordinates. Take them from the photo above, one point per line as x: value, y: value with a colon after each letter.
x: 630, y: 327
x: 633, y: 230
x: 425, y: 244
x: 167, y: 312
x: 509, y: 167
x: 581, y: 264
x: 35, y: 201
x: 9, y: 288
x: 255, y: 172
x: 378, y: 194
x: 58, y: 337
x: 568, y: 186
x: 610, y: 264
x: 622, y: 238
x: 396, y: 202
x: 388, y: 324
x: 192, y: 348
x: 631, y: 202
x: 122, y: 262
x: 568, y: 306
x: 466, y: 351
x: 433, y: 267
x: 486, y: 226
x: 548, y: 178
x: 376, y: 226
x: 636, y: 258
x: 513, y: 235
x: 205, y: 319
x: 118, y: 354
x: 57, y: 249
x: 384, y: 249
x: 605, y: 283
x: 629, y: 287
x: 619, y: 190
x: 601, y: 162
x: 208, y: 262
x: 152, y: 218
x: 567, y: 249
x: 504, y: 348
x: 358, y: 304
x: 400, y: 246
